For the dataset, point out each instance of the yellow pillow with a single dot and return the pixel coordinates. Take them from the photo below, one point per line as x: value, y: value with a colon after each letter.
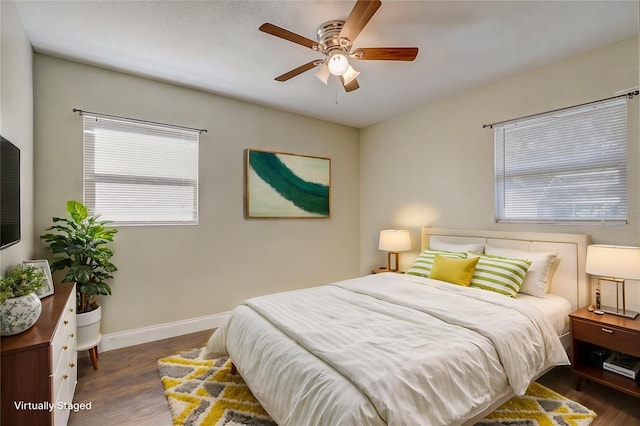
x: 455, y: 271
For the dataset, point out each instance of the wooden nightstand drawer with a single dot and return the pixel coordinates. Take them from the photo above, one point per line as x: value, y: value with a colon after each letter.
x: 607, y: 337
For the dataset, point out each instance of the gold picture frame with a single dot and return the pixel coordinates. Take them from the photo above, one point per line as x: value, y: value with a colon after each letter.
x: 284, y: 185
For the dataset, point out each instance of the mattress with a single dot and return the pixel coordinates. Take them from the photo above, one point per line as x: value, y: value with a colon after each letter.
x: 555, y: 308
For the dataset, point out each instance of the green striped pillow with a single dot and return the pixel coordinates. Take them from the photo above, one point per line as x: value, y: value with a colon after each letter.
x: 423, y: 264
x: 499, y: 274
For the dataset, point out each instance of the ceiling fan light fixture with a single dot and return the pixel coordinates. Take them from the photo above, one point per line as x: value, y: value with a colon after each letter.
x: 323, y: 73
x: 338, y: 63
x: 350, y: 75
x: 335, y: 41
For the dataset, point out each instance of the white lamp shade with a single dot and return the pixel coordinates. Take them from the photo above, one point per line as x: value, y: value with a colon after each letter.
x: 350, y: 75
x: 323, y: 73
x: 394, y: 240
x: 338, y: 63
x: 613, y: 261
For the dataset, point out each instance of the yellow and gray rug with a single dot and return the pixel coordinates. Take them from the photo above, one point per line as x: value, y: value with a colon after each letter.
x: 205, y: 393
x: 539, y: 406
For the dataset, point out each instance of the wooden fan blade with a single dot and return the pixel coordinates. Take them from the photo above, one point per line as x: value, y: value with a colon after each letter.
x: 287, y: 35
x: 351, y: 86
x: 297, y: 71
x: 358, y: 18
x: 386, y: 53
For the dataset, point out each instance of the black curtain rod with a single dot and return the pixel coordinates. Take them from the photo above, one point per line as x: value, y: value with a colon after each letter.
x: 81, y: 112
x: 628, y: 95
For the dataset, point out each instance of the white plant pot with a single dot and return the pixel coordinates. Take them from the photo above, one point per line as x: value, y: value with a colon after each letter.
x: 88, y: 329
x: 18, y: 314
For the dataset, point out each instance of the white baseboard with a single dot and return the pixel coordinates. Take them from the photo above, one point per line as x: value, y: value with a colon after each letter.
x: 161, y: 331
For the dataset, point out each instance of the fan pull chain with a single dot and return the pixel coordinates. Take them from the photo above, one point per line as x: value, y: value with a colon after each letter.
x: 336, y: 86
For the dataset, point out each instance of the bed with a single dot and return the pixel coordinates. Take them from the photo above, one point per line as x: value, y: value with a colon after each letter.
x: 404, y: 348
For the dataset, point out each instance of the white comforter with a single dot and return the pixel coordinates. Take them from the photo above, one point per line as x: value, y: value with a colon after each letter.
x: 385, y: 349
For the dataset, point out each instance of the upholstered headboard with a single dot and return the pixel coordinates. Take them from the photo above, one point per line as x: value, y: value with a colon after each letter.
x: 570, y: 279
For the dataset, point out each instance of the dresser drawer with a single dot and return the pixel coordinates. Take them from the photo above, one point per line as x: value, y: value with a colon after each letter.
x: 62, y: 403
x: 61, y: 372
x: 60, y: 348
x: 609, y: 337
x: 65, y: 381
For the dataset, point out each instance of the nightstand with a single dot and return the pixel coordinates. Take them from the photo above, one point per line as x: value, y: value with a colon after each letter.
x: 606, y: 331
x: 382, y: 269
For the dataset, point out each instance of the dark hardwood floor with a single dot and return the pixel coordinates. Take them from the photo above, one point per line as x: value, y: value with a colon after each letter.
x: 613, y: 408
x: 126, y: 390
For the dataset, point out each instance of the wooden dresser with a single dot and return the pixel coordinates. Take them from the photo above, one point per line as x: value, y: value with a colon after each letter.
x: 38, y: 366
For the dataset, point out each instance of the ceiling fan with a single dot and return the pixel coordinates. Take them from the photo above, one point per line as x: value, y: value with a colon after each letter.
x: 335, y: 41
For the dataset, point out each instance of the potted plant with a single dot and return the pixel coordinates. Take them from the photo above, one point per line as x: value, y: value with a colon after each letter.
x: 79, y: 244
x: 20, y: 306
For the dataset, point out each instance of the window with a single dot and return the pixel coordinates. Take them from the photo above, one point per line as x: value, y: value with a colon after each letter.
x: 136, y: 173
x: 565, y: 166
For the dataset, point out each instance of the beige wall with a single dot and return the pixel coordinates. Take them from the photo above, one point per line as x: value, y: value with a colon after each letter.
x: 434, y: 166
x: 172, y: 273
x: 16, y: 122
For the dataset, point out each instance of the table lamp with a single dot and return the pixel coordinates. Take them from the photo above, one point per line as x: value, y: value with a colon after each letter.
x: 393, y: 241
x: 615, y: 264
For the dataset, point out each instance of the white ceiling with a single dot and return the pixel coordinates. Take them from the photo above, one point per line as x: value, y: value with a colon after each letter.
x: 216, y: 46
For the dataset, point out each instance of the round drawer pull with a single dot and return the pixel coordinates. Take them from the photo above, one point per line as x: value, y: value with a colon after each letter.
x: 606, y: 330
x: 64, y: 376
x: 70, y: 309
x: 71, y: 335
x: 71, y: 365
x: 66, y: 322
x: 65, y: 347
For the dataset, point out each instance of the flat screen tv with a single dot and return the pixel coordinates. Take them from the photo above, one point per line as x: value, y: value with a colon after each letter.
x: 9, y: 193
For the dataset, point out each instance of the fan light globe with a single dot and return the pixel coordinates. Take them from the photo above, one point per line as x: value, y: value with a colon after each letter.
x: 338, y: 64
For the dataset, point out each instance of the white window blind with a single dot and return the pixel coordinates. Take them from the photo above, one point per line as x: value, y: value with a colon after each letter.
x: 140, y: 174
x: 566, y: 166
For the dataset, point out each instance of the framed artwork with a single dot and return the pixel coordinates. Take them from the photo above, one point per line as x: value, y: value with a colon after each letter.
x: 47, y: 289
x: 282, y: 185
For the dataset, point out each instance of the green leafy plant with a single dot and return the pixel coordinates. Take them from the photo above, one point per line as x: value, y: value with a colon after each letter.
x: 21, y: 282
x: 82, y: 241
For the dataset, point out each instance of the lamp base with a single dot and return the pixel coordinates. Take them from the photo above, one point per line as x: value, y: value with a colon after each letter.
x: 393, y: 255
x: 613, y: 311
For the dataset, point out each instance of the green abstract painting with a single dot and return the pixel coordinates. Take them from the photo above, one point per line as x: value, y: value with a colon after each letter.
x: 281, y: 185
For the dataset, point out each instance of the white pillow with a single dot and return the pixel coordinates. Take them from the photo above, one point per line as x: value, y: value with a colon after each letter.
x: 536, y: 282
x: 436, y: 243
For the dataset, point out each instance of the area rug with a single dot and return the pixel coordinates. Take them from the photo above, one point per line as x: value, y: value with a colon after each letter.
x: 204, y: 393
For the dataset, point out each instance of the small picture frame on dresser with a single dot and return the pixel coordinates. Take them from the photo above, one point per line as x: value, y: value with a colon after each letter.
x: 47, y: 288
